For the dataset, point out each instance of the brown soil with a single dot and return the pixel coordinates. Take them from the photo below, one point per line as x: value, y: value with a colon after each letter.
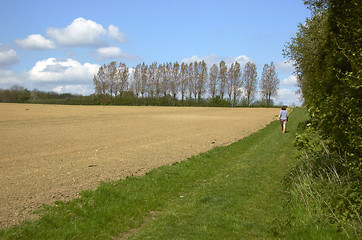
x: 52, y: 152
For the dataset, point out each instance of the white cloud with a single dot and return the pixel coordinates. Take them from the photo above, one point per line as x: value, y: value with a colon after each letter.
x: 287, y: 97
x: 80, y: 32
x: 35, y: 42
x: 83, y: 89
x: 285, y: 67
x: 107, y: 53
x: 8, y: 78
x: 214, y: 59
x: 290, y: 81
x: 8, y: 56
x: 52, y: 70
x: 116, y: 35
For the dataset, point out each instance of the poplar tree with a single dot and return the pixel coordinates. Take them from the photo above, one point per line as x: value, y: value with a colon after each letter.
x: 137, y: 80
x: 112, y: 78
x: 213, y: 77
x: 236, y: 82
x: 250, y: 81
x: 202, y: 79
x: 175, y: 79
x: 123, y: 76
x: 183, y: 80
x: 144, y: 79
x: 191, y: 80
x: 222, y: 79
x: 269, y: 83
x: 100, y: 82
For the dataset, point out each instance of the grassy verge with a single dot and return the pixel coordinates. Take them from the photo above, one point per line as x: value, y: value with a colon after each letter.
x: 231, y: 192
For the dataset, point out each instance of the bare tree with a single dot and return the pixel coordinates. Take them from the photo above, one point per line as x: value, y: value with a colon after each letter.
x: 144, y: 79
x: 183, y: 80
x: 152, y: 81
x: 234, y: 82
x: 213, y: 76
x: 202, y: 79
x: 191, y: 80
x: 123, y: 75
x: 165, y: 78
x: 137, y: 80
x: 175, y: 79
x: 250, y: 81
x: 222, y: 78
x: 269, y: 83
x: 111, y: 75
x: 100, y: 82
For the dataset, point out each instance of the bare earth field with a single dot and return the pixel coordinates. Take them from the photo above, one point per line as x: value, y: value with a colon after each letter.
x: 52, y: 152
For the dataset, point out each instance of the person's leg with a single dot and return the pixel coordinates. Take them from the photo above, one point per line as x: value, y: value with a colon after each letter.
x: 284, y: 126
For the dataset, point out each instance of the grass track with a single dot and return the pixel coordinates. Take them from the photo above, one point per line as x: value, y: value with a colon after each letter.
x: 242, y: 200
x: 230, y: 192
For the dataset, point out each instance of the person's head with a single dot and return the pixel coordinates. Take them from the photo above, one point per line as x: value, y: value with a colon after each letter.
x: 284, y: 108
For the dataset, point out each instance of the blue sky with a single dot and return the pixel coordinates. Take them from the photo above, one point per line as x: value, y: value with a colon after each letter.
x: 59, y: 45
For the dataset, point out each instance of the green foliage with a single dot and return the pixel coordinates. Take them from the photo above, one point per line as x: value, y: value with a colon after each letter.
x: 327, y: 55
x: 15, y: 94
x: 328, y: 60
x: 321, y: 191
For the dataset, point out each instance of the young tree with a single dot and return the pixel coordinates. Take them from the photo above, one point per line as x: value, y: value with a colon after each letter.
x: 250, y: 81
x: 111, y: 73
x: 229, y: 83
x: 269, y: 83
x: 175, y: 79
x: 144, y: 79
x: 213, y: 76
x: 183, y: 80
x: 191, y: 80
x: 100, y: 82
x: 222, y: 79
x: 137, y: 80
x: 165, y: 78
x: 153, y: 80
x: 202, y: 79
x: 123, y: 75
x: 234, y: 82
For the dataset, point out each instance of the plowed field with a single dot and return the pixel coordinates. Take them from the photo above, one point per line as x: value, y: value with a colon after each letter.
x: 52, y: 152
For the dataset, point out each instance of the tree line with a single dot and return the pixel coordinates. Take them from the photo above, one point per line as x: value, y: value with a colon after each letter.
x: 168, y: 84
x: 19, y: 94
x: 193, y: 82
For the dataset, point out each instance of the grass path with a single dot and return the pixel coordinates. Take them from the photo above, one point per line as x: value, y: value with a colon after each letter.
x: 242, y: 200
x: 231, y: 192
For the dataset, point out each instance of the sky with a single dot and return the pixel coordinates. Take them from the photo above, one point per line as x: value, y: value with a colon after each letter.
x: 53, y: 45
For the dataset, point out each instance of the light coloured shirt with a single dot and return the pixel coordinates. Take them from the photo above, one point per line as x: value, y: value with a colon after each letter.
x: 284, y: 114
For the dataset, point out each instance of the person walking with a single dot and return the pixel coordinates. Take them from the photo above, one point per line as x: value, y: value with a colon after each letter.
x: 283, y: 118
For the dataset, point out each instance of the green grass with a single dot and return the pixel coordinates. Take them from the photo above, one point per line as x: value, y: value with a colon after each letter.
x: 232, y: 192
